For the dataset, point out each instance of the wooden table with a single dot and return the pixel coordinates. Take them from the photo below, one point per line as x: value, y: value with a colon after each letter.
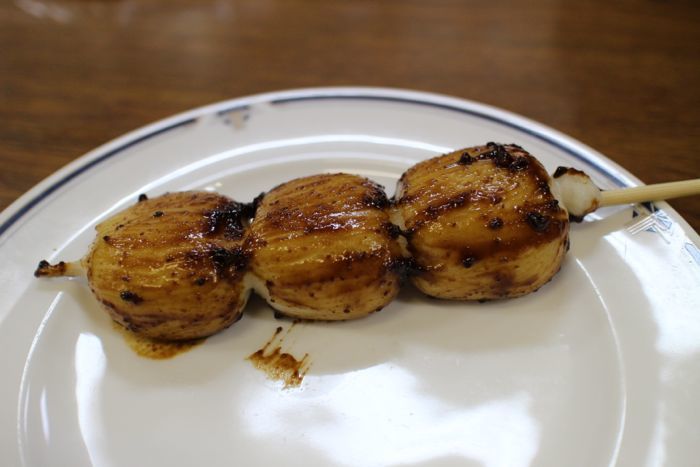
x: 623, y: 77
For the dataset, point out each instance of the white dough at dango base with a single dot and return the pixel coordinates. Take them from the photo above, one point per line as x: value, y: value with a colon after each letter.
x: 576, y: 192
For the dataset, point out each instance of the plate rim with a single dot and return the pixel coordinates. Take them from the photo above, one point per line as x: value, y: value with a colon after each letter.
x: 41, y: 194
x: 42, y: 190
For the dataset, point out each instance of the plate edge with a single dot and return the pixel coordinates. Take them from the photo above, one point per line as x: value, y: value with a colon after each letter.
x: 42, y: 190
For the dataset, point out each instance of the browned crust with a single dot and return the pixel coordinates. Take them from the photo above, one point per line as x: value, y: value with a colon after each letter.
x: 538, y: 220
x: 481, y: 209
x: 172, y: 267
x: 324, y: 246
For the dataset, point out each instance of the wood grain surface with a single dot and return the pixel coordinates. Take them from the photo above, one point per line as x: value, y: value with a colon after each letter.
x: 623, y: 77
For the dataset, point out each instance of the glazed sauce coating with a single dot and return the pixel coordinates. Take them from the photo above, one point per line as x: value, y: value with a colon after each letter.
x: 494, y: 195
x: 475, y: 220
x: 324, y: 248
x: 172, y: 267
x: 155, y: 349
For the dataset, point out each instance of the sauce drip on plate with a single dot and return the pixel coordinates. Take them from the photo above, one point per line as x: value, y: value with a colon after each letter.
x: 278, y: 365
x: 154, y: 348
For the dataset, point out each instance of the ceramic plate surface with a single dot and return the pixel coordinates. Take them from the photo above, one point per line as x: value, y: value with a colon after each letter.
x: 599, y: 367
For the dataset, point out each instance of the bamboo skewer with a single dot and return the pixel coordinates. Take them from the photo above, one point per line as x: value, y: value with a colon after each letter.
x: 656, y: 192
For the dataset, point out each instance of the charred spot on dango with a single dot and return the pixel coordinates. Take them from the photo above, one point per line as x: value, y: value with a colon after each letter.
x: 200, y: 281
x: 561, y: 171
x: 502, y: 156
x: 466, y: 159
x: 537, y: 221
x: 520, y: 163
x: 142, y: 197
x: 226, y: 219
x: 393, y: 230
x: 405, y: 267
x: 495, y: 223
x: 129, y: 296
x: 376, y: 198
x: 498, y: 154
x: 552, y: 205
x: 225, y: 259
x: 468, y: 261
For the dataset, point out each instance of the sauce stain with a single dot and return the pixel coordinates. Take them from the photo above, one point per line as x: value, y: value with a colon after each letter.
x: 155, y: 349
x: 278, y: 365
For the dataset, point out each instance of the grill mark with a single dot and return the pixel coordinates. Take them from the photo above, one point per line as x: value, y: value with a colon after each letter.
x: 433, y: 211
x: 548, y: 216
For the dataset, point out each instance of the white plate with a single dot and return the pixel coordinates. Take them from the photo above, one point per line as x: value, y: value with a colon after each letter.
x: 600, y: 367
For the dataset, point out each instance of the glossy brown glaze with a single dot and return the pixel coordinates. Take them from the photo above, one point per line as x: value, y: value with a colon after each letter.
x: 322, y: 249
x: 482, y: 223
x: 171, y: 267
x: 279, y: 365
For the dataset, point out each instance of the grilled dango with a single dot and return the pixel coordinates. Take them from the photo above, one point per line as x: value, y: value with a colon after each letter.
x: 324, y: 248
x: 481, y: 223
x: 171, y: 267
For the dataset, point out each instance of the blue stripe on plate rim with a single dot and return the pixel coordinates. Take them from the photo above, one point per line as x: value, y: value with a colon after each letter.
x: 293, y: 96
